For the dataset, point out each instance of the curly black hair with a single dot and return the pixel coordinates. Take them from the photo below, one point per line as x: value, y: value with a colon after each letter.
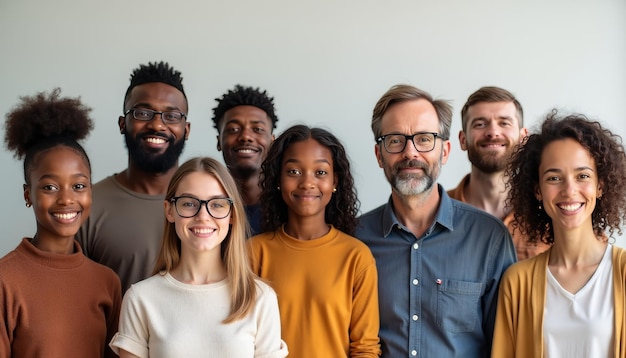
x: 154, y: 72
x: 604, y: 147
x: 244, y: 96
x: 44, y: 121
x: 341, y: 210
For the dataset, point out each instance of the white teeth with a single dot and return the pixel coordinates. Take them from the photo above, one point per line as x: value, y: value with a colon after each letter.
x: 155, y: 140
x: 245, y: 151
x: 572, y: 207
x: 65, y: 216
x: 202, y: 231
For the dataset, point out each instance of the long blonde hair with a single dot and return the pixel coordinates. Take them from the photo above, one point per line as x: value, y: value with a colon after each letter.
x: 233, y: 249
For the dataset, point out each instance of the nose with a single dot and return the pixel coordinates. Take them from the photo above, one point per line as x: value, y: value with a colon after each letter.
x: 568, y: 188
x: 65, y: 197
x: 492, y: 130
x: 157, y: 122
x: 307, y: 181
x: 203, y: 214
x: 410, y: 150
x: 245, y: 135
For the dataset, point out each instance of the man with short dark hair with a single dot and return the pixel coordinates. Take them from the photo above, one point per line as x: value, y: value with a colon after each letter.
x: 245, y: 121
x: 126, y: 223
x: 439, y: 260
x: 492, y: 126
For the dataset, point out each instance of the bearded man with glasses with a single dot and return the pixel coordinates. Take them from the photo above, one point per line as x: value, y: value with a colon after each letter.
x: 439, y: 260
x: 126, y: 223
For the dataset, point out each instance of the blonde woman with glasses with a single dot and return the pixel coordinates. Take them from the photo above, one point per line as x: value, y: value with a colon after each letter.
x: 203, y: 300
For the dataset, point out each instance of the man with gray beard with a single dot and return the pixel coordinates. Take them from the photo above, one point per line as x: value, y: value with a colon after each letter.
x: 126, y: 223
x: 492, y: 122
x: 439, y: 260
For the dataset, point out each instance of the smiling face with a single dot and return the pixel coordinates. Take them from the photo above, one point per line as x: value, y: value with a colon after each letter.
x: 245, y: 136
x: 307, y: 179
x: 411, y: 172
x: 154, y: 146
x: 59, y: 190
x: 493, y: 130
x: 568, y: 185
x: 202, y: 232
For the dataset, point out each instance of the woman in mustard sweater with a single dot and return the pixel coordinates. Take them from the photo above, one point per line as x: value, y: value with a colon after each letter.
x: 325, y: 279
x: 568, y: 189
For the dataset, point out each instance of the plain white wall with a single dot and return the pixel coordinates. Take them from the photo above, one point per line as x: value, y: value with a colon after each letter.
x: 325, y: 62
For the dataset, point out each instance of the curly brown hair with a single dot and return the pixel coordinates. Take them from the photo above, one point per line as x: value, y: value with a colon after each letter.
x: 604, y: 147
x: 44, y: 121
x: 341, y: 210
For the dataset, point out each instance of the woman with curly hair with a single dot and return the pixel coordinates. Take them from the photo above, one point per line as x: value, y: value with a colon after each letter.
x: 54, y: 301
x: 325, y: 279
x: 568, y: 189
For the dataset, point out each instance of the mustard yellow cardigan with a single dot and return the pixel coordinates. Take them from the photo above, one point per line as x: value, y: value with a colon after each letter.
x: 521, y: 299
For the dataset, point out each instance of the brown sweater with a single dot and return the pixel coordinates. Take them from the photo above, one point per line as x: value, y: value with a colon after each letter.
x: 54, y: 305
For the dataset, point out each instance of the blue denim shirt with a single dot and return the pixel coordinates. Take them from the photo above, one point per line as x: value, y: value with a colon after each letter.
x: 438, y: 292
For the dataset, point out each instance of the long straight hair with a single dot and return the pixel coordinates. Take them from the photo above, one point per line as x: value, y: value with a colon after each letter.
x: 233, y: 248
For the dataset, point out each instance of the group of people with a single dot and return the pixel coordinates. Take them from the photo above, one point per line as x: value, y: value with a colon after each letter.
x: 267, y: 256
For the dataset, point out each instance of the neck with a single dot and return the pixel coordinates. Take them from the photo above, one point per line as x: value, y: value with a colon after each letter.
x: 575, y: 247
x: 248, y: 187
x: 59, y: 245
x: 306, y: 228
x: 487, y: 192
x: 200, y: 268
x: 143, y: 182
x: 417, y: 212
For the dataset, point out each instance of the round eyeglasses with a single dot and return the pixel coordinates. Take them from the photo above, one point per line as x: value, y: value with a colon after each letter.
x: 188, y: 207
x: 422, y: 141
x: 146, y: 115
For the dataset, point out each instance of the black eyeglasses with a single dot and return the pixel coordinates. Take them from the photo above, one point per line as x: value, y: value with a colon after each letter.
x: 168, y: 117
x: 422, y: 141
x: 188, y: 207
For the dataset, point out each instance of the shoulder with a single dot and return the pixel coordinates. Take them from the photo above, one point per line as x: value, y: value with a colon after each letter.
x: 265, y: 293
x: 149, y: 284
x: 527, y: 270
x: 374, y: 213
x: 465, y: 215
x: 355, y: 244
x: 457, y: 193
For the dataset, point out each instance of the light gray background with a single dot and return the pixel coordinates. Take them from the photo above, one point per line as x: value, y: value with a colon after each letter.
x: 325, y: 62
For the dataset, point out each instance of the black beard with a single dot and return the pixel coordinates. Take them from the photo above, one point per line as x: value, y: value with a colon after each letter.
x: 150, y: 162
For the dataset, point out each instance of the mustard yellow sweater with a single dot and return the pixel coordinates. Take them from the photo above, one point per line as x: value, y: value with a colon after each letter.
x: 327, y: 293
x: 521, y: 300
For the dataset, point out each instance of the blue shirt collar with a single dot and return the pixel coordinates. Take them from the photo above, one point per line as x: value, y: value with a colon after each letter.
x: 444, y: 215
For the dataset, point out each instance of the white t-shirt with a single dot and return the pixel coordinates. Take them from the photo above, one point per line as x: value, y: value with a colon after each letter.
x: 163, y: 317
x: 581, y: 325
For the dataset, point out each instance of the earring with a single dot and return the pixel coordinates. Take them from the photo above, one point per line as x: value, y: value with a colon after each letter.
x: 334, y: 190
x: 28, y: 204
x: 540, y: 207
x: 278, y: 188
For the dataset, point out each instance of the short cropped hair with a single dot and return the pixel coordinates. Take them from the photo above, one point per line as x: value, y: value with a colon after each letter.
x: 402, y: 93
x: 244, y: 96
x: 491, y: 94
x: 155, y: 72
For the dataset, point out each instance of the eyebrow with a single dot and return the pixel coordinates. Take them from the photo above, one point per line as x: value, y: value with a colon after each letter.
x: 77, y: 175
x: 559, y: 170
x: 316, y: 161
x: 149, y: 106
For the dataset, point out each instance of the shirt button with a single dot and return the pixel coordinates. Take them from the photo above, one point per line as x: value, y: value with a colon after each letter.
x: 414, y: 353
x: 415, y: 317
x: 415, y: 281
x: 416, y: 246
